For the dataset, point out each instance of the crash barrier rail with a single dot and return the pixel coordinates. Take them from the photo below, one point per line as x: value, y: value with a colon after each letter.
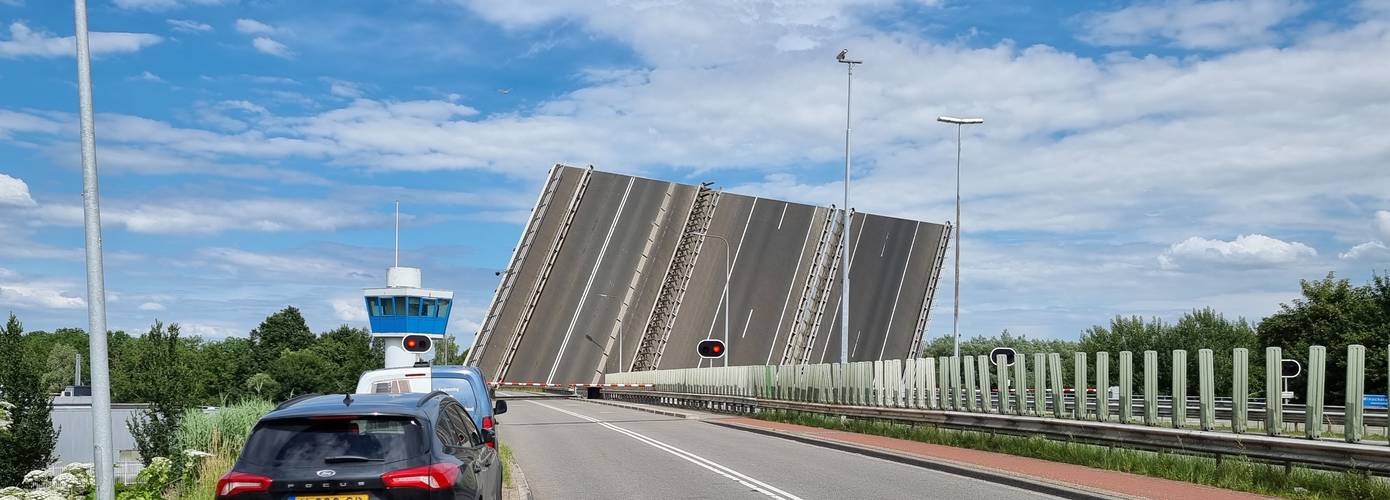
x: 950, y: 391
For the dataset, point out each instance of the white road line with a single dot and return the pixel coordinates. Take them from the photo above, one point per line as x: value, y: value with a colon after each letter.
x: 746, y: 322
x: 854, y: 343
x: 777, y: 329
x: 732, y: 266
x: 829, y: 334
x: 706, y: 463
x: 854, y: 250
x: 783, y: 216
x: 906, y: 263
x: 550, y: 379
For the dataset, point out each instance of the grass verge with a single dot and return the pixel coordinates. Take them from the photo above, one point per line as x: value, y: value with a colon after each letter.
x: 222, y: 434
x: 506, y: 454
x: 1236, y: 473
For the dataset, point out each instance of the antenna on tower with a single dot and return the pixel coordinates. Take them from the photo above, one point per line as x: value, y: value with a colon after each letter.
x: 398, y: 233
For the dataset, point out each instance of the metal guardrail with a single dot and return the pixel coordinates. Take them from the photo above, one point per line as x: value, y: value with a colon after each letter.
x: 1322, y: 454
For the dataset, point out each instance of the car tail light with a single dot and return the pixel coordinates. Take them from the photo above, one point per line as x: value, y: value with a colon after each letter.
x: 236, y: 483
x: 432, y: 477
x: 487, y: 426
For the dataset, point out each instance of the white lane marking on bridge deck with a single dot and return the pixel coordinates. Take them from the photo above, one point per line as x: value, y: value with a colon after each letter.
x: 854, y: 342
x: 783, y: 216
x: 777, y: 328
x: 583, y: 296
x: 829, y: 334
x: 708, y: 464
x: 907, y: 262
x: 737, y: 250
x: 746, y: 322
x: 854, y: 250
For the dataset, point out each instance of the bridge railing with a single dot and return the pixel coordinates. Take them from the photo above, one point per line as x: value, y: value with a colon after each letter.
x: 943, y: 389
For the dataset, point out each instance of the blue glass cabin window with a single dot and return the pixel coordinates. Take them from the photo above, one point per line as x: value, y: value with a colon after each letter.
x: 413, y: 309
x: 443, y: 308
x: 400, y: 306
x: 388, y: 306
x: 373, y: 306
x: 431, y: 308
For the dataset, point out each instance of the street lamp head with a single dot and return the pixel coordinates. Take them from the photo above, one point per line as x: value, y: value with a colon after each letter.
x: 843, y: 57
x: 960, y: 121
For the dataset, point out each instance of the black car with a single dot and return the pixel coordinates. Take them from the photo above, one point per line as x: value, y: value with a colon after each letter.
x: 366, y: 447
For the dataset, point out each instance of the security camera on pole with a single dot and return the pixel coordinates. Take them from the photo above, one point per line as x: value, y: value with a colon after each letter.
x: 410, y: 319
x: 843, y: 58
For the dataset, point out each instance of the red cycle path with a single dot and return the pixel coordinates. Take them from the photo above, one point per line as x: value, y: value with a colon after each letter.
x: 1066, y: 475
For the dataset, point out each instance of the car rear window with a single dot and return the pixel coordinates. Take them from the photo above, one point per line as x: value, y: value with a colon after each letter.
x: 458, y: 388
x: 322, y: 440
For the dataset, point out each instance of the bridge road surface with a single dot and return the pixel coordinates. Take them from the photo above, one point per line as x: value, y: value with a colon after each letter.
x: 579, y: 361
x: 575, y: 449
x: 702, y: 307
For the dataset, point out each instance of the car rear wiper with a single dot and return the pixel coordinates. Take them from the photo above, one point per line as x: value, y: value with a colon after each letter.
x: 351, y: 458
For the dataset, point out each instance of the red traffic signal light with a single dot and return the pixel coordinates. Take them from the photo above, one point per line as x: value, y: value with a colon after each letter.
x: 416, y: 343
x: 711, y: 348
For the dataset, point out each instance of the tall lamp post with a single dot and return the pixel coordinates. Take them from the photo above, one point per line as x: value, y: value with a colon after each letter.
x: 728, y: 275
x: 843, y: 58
x: 958, y: 122
x: 96, y: 281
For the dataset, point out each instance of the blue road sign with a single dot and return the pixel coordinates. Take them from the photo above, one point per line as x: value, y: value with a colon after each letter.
x: 1375, y: 400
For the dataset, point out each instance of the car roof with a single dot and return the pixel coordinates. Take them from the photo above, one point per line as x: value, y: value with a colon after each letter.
x: 405, y: 404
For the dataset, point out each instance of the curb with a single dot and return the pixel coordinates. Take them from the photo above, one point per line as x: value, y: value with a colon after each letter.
x: 1028, y: 483
x: 519, y: 490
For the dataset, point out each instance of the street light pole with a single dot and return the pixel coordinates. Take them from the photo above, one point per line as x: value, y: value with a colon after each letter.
x: 843, y: 58
x: 958, y: 122
x: 728, y: 275
x: 103, y: 465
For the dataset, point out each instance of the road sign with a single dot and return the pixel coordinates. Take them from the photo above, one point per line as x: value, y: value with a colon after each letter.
x: 1286, y: 395
x: 1374, y: 401
x: 1008, y: 353
x: 1290, y: 368
x: 416, y: 343
x: 711, y: 348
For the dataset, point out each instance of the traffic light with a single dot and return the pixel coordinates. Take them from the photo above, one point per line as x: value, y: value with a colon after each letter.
x: 416, y: 343
x: 1007, y: 352
x: 711, y: 348
x: 1290, y: 368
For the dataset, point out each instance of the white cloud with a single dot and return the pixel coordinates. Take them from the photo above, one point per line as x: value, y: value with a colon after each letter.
x: 1192, y: 24
x: 153, y: 5
x: 349, y: 309
x: 1369, y: 251
x: 283, y: 265
x: 14, y: 192
x: 188, y: 26
x: 1382, y: 224
x: 146, y: 76
x: 25, y: 42
x: 345, y: 89
x: 253, y: 27
x: 44, y: 294
x: 1253, y: 250
x: 210, y: 216
x: 151, y: 306
x: 270, y: 46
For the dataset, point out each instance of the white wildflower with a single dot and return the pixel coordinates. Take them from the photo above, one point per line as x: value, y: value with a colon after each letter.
x: 36, y: 479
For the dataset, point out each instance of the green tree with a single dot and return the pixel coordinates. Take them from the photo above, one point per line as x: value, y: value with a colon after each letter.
x: 29, y: 442
x: 262, y: 385
x: 161, y: 378
x: 224, y: 366
x: 280, y: 332
x: 58, y: 370
x: 351, y: 352
x: 302, y: 372
x: 1024, y: 346
x: 1333, y: 313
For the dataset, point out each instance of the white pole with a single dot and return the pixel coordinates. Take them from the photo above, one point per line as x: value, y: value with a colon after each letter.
x: 104, y: 465
x: 955, y: 323
x: 728, y: 276
x: 844, y: 236
x: 398, y: 233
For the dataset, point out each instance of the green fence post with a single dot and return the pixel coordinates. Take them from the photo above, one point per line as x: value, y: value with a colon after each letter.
x: 1126, y: 387
x: 1054, y: 365
x: 1240, y: 389
x: 943, y: 383
x: 1274, y: 402
x: 1002, y: 370
x: 1078, y: 410
x: 1206, y: 391
x: 1102, y: 386
x: 1150, y: 387
x: 957, y: 388
x: 982, y: 368
x: 1356, y: 392
x: 1021, y: 386
x: 969, y: 368
x: 1179, y: 404
x: 1317, y: 382
x: 1039, y: 386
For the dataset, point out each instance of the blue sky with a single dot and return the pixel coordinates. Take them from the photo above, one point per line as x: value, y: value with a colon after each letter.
x: 1137, y: 158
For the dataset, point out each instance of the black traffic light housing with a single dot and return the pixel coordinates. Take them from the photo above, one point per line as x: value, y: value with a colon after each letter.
x: 416, y: 343
x: 710, y: 348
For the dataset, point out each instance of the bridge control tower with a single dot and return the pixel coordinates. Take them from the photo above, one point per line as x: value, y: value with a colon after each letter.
x: 404, y: 309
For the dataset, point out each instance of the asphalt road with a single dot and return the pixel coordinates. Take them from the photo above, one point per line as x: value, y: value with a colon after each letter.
x: 576, y: 449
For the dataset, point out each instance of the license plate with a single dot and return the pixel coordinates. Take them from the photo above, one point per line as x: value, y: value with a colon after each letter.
x: 337, y: 496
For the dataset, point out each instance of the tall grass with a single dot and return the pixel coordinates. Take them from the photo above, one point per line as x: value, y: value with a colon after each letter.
x: 1236, y: 473
x: 221, y: 433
